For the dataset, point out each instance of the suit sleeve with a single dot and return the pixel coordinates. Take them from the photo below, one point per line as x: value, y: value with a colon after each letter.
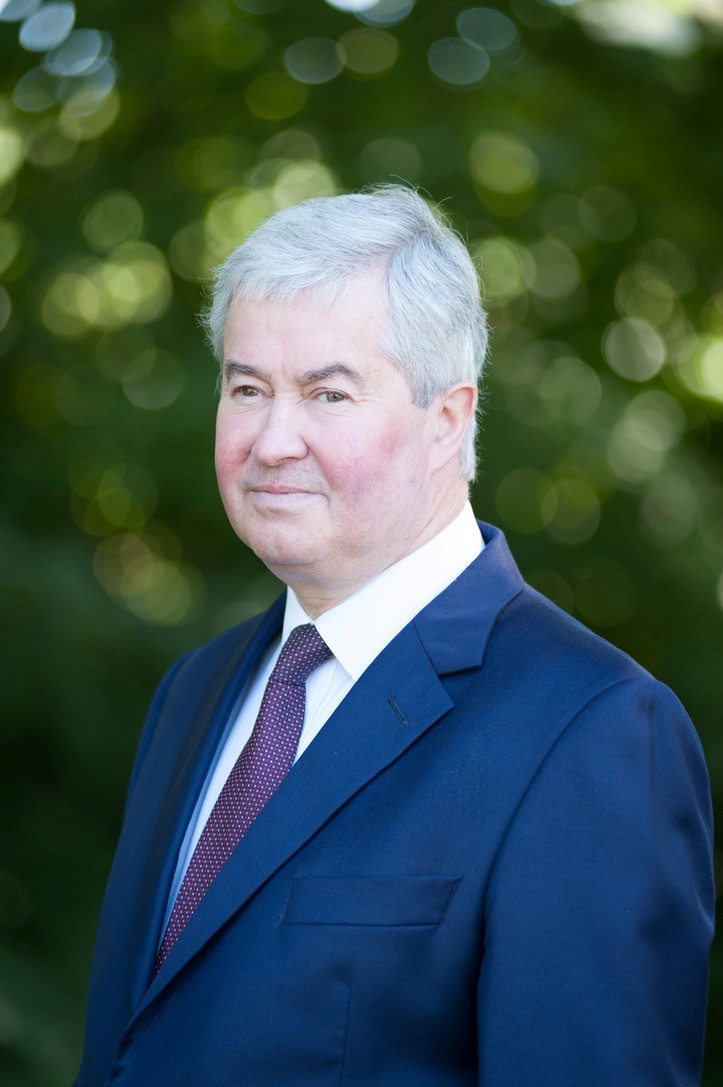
x: 599, y: 913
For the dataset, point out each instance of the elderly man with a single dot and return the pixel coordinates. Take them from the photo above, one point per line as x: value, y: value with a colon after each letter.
x: 413, y: 825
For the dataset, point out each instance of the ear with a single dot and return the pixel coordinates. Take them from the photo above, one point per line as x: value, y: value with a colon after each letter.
x: 454, y: 412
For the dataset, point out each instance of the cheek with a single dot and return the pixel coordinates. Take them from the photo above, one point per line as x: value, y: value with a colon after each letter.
x: 369, y: 476
x: 230, y: 445
x: 222, y: 459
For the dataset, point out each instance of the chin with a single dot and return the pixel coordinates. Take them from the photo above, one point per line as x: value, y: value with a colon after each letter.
x: 280, y: 554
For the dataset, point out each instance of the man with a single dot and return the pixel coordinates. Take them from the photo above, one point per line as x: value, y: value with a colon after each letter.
x: 414, y: 825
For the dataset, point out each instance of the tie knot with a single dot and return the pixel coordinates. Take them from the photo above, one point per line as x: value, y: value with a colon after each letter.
x: 302, y: 652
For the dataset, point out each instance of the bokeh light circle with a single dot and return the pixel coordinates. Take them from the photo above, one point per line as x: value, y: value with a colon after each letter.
x: 47, y: 27
x: 457, y: 62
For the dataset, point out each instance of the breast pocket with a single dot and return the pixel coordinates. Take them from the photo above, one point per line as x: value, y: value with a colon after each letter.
x: 375, y: 901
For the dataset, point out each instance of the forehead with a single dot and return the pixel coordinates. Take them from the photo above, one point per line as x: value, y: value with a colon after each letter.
x: 309, y: 321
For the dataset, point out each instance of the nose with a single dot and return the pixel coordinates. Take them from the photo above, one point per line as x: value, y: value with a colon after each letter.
x: 280, y: 435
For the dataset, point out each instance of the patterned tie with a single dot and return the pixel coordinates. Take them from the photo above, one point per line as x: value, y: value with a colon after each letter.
x: 257, y: 773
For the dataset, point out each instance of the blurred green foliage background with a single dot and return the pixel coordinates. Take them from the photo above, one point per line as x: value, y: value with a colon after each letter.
x: 577, y: 146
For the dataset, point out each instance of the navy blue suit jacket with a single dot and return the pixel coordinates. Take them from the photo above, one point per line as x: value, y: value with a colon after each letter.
x: 492, y: 866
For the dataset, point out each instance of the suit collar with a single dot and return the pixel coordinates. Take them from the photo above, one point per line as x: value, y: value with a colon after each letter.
x: 455, y: 627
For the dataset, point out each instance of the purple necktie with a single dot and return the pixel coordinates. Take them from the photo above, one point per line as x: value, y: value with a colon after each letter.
x: 257, y: 773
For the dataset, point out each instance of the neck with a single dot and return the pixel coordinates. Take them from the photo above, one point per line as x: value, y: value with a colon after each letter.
x: 317, y: 595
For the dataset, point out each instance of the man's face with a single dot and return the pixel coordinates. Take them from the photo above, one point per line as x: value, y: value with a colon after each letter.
x: 324, y: 463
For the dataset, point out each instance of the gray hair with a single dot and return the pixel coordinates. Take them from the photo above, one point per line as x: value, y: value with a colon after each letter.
x: 436, y: 326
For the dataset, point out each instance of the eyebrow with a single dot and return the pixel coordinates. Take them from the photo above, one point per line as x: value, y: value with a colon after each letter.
x: 335, y: 369
x: 242, y: 369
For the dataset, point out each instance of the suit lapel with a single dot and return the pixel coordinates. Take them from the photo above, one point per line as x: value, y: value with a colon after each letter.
x: 399, y: 697
x: 179, y: 791
x: 363, y: 736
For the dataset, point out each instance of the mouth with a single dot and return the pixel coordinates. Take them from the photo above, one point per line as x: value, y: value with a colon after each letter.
x: 278, y: 488
x: 279, y: 494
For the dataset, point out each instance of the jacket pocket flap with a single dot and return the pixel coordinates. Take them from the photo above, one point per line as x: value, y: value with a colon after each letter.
x: 385, y: 900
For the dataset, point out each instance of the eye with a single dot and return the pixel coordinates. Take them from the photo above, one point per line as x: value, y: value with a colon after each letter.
x: 246, y: 391
x: 328, y: 396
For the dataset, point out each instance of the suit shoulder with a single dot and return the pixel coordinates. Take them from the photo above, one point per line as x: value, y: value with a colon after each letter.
x: 565, y: 666
x: 540, y: 636
x: 207, y: 658
x: 209, y: 666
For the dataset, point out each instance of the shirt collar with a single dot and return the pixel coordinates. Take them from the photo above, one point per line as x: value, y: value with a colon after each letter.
x: 361, y: 626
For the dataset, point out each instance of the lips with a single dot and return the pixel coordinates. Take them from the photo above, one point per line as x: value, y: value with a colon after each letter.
x: 278, y: 488
x: 278, y: 495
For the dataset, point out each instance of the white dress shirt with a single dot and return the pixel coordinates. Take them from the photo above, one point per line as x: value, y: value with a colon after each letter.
x: 356, y: 631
